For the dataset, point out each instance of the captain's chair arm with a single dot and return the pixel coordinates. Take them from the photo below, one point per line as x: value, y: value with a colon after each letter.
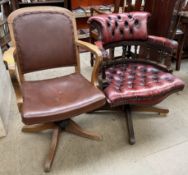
x: 8, y: 58
x: 168, y: 44
x: 98, y: 56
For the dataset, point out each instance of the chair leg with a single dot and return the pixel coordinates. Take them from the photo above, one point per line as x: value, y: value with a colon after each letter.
x: 38, y: 127
x: 53, y: 148
x: 74, y: 128
x: 179, y: 52
x: 54, y: 142
x: 178, y: 59
x: 111, y: 50
x: 160, y: 111
x: 92, y: 59
x: 130, y: 128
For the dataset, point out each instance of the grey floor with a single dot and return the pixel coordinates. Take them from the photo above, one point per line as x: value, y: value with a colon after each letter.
x: 161, y: 147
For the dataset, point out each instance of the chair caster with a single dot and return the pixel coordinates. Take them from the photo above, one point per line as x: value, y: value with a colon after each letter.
x: 132, y: 141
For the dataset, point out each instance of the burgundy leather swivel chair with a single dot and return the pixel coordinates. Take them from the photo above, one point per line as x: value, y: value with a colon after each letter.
x: 45, y: 38
x: 133, y: 81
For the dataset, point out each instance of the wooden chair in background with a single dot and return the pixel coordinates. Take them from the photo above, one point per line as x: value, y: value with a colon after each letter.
x: 164, y: 21
x: 6, y: 9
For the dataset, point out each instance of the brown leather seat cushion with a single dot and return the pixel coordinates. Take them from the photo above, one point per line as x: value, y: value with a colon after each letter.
x: 59, y: 98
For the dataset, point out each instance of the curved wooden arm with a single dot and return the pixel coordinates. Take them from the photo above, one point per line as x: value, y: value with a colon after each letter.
x: 8, y: 58
x: 95, y: 50
x: 17, y: 89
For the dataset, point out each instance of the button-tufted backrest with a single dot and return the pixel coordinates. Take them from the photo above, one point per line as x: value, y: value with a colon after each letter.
x: 121, y: 26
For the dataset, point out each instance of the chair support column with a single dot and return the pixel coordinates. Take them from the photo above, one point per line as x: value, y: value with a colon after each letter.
x: 130, y: 128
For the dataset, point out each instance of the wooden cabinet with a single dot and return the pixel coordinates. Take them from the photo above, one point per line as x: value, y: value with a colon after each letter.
x: 81, y: 9
x: 28, y: 3
x: 85, y: 3
x: 5, y: 10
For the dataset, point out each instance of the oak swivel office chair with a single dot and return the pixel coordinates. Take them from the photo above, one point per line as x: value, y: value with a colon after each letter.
x: 45, y: 38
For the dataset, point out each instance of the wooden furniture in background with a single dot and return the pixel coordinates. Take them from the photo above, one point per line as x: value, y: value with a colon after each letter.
x: 164, y: 20
x: 6, y: 9
x: 134, y: 5
x: 20, y: 3
x: 185, y: 46
x: 6, y: 6
x: 4, y: 35
x: 82, y: 11
x: 184, y: 25
x: 164, y: 14
x: 123, y: 6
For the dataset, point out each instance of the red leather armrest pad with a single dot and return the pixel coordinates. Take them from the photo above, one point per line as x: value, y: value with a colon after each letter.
x: 171, y: 44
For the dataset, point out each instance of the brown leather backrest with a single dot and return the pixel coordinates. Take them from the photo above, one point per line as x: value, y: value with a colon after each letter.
x: 44, y: 38
x: 121, y: 26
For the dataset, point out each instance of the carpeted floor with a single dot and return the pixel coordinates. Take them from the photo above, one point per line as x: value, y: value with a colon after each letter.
x: 161, y: 147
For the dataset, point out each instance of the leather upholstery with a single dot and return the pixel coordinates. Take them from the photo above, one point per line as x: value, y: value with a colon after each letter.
x: 139, y: 83
x: 59, y: 98
x: 135, y: 77
x: 172, y: 44
x: 122, y: 26
x: 127, y: 27
x: 43, y: 41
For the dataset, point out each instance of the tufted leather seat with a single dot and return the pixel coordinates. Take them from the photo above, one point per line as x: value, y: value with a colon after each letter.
x: 138, y: 83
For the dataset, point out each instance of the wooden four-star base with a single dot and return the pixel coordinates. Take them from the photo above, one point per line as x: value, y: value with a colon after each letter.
x: 65, y: 125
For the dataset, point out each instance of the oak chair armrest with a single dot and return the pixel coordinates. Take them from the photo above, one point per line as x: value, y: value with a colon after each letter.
x: 8, y: 58
x: 98, y: 56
